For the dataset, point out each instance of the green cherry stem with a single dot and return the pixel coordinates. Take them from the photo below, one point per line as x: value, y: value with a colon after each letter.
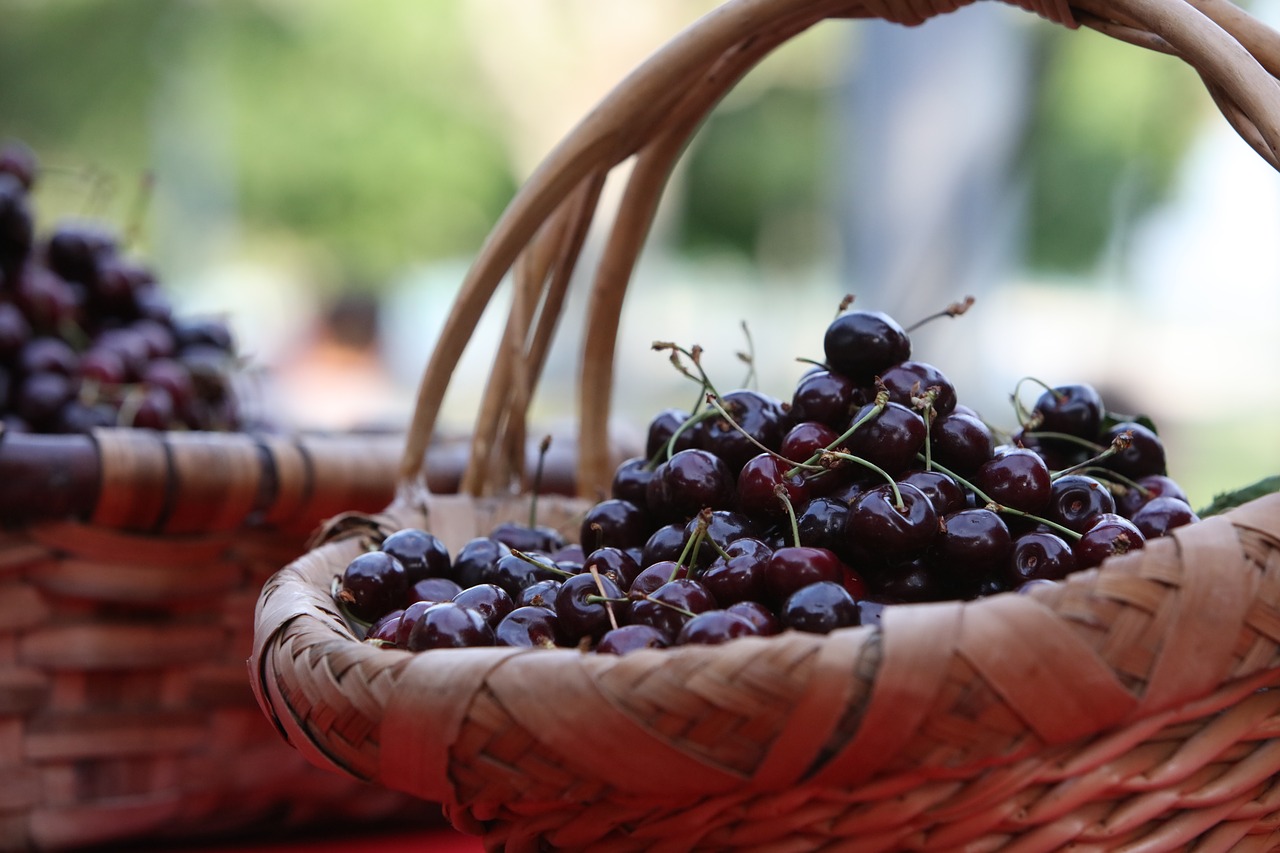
x: 1119, y: 443
x: 882, y: 400
x: 781, y: 491
x: 550, y: 567
x: 1001, y: 508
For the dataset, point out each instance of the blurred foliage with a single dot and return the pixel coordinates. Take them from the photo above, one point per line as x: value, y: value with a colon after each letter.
x: 1107, y: 129
x: 362, y: 132
x: 363, y: 129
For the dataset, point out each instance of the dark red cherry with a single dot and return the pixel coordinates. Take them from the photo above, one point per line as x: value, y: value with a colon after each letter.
x: 475, y: 560
x: 758, y: 420
x: 539, y: 594
x: 629, y: 638
x: 797, y: 566
x: 741, y: 576
x: 529, y: 627
x: 434, y: 590
x: 713, y: 627
x: 723, y: 527
x: 614, y: 563
x: 372, y: 584
x: 1074, y: 410
x: 1129, y: 499
x: 449, y: 626
x: 805, y: 440
x: 1110, y: 535
x: 826, y: 398
x: 1039, y: 556
x: 654, y: 575
x: 489, y: 600
x: 890, y: 439
x: 421, y: 553
x: 667, y: 543
x: 863, y: 344
x: 662, y: 427
x: 614, y: 522
x: 1161, y: 514
x: 631, y: 480
x: 1144, y: 455
x: 383, y: 631
x: 1017, y: 478
x: 762, y: 618
x: 961, y: 442
x: 819, y: 608
x: 584, y: 606
x: 758, y: 484
x: 878, y: 524
x: 909, y: 381
x: 522, y: 537
x: 973, y: 541
x: 688, y: 482
x: 944, y: 493
x: 669, y: 606
x: 1076, y: 501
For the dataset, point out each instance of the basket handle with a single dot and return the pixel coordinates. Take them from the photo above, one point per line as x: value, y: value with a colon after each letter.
x: 650, y: 116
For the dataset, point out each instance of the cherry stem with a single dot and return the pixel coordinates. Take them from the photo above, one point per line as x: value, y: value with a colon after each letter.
x: 608, y: 603
x: 1068, y: 437
x: 1120, y: 442
x: 781, y: 491
x: 955, y: 309
x: 543, y: 447
x: 882, y: 400
x: 845, y: 302
x: 694, y: 542
x: 749, y: 357
x: 667, y: 604
x: 1115, y: 479
x: 550, y: 567
x: 1001, y: 508
x: 668, y: 450
x: 1025, y: 417
x: 866, y: 463
x: 925, y: 405
x: 694, y: 355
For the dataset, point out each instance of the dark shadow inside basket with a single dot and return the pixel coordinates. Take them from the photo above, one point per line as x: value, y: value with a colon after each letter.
x: 1129, y: 704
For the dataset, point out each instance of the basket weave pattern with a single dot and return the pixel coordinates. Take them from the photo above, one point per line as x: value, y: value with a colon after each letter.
x: 1133, y: 707
x: 123, y: 703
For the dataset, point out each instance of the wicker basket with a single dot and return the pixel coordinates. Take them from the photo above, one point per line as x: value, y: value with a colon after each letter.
x: 130, y: 561
x: 1132, y: 707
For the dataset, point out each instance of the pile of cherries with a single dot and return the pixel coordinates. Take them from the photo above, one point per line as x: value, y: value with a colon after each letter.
x: 872, y: 486
x: 88, y: 338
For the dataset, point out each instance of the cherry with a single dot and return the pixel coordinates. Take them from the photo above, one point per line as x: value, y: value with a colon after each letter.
x: 827, y: 398
x: 713, y: 627
x: 1074, y: 410
x: 688, y: 482
x: 909, y: 381
x: 758, y: 484
x: 1039, y: 556
x: 819, y: 608
x: 103, y: 366
x: 514, y: 572
x: 582, y: 612
x: 821, y: 524
x: 523, y: 537
x: 539, y: 594
x: 529, y: 627
x: 961, y: 442
x: 476, y: 559
x: 662, y: 427
x: 614, y: 522
x: 806, y: 439
x: 877, y: 523
x: 797, y: 566
x: 435, y: 590
x: 449, y: 626
x: 740, y: 577
x: 762, y: 618
x: 629, y: 638
x: 421, y: 553
x: 973, y: 539
x: 862, y: 344
x: 47, y: 354
x: 890, y: 439
x: 614, y: 563
x: 1111, y: 534
x: 372, y: 584
x: 944, y: 493
x: 664, y: 544
x: 1076, y: 501
x: 723, y: 527
x: 383, y: 631
x: 41, y: 396
x: 1151, y: 486
x: 1161, y: 514
x: 1017, y: 478
x: 15, y: 331
x: 655, y: 575
x: 669, y: 606
x: 914, y: 581
x: 758, y: 420
x: 631, y: 480
x: 489, y: 600
x: 1144, y: 455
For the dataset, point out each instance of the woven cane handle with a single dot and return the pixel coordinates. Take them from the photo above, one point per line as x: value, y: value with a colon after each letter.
x: 651, y: 116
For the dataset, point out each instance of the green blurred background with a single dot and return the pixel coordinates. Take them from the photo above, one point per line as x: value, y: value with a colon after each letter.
x: 278, y: 158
